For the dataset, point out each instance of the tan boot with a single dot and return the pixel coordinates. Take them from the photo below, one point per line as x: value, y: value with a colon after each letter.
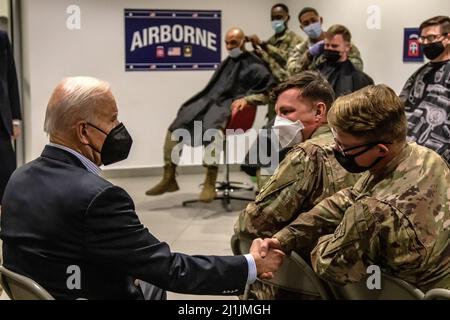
x: 209, y: 187
x: 167, y: 184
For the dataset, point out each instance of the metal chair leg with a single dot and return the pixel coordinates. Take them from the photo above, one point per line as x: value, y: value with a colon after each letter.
x: 227, y: 187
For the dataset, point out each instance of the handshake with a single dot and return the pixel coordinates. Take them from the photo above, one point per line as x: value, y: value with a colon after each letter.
x: 268, y: 256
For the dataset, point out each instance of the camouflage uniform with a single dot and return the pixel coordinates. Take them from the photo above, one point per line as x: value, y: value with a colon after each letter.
x: 299, y: 61
x: 399, y: 221
x: 307, y: 175
x: 262, y: 99
x: 275, y: 53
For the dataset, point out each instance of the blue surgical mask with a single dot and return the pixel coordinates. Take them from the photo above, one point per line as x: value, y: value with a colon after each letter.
x: 314, y: 30
x: 278, y: 26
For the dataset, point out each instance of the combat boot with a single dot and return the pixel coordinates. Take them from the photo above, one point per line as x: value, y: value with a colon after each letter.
x: 209, y: 187
x: 167, y: 184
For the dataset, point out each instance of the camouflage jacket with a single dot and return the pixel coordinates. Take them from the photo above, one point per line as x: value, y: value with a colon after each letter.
x: 299, y: 61
x: 276, y: 51
x: 263, y: 99
x: 399, y: 221
x: 307, y: 175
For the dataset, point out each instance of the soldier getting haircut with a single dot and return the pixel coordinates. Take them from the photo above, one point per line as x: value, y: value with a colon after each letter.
x: 339, y: 29
x: 312, y: 84
x: 375, y: 113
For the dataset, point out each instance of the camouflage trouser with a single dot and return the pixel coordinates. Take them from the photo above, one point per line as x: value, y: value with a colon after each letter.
x: 210, y: 157
x: 262, y: 291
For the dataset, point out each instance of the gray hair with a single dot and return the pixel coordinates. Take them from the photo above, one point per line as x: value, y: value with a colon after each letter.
x: 74, y: 99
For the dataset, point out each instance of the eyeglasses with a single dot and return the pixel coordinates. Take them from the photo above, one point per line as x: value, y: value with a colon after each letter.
x: 431, y: 37
x: 367, y: 145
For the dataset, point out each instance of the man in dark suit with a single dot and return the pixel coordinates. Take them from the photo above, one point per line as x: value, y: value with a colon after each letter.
x: 78, y: 235
x: 9, y: 111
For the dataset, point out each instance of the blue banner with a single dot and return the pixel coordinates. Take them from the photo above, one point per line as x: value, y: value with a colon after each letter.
x: 172, y: 39
x: 412, y: 51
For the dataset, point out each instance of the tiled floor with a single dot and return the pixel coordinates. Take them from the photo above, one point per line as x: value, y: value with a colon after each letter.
x: 197, y: 229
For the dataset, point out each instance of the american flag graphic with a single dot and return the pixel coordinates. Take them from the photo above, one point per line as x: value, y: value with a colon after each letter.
x: 174, y: 52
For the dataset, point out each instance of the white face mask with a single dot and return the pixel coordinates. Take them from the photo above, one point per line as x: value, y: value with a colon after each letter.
x: 289, y: 132
x: 235, y: 52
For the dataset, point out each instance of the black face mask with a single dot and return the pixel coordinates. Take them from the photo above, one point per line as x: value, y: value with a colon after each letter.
x: 433, y: 50
x: 331, y: 56
x: 348, y: 162
x: 117, y: 144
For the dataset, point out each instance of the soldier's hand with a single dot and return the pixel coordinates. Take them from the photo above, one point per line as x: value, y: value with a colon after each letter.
x: 16, y: 131
x: 240, y: 104
x: 254, y: 39
x: 267, y: 265
x: 267, y: 244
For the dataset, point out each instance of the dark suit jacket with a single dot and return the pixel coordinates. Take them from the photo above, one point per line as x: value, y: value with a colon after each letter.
x: 9, y: 91
x: 56, y: 214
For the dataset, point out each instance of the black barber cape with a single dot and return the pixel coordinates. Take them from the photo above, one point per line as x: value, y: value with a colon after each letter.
x: 235, y: 78
x: 426, y: 95
x: 344, y: 77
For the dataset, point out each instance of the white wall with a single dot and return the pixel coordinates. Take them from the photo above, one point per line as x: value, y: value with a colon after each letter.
x: 4, y: 8
x: 148, y: 101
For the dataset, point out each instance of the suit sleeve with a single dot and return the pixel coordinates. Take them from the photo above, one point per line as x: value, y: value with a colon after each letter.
x: 115, y: 238
x: 13, y: 88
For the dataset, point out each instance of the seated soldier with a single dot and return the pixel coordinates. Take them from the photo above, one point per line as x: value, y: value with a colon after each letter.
x: 336, y: 66
x: 307, y: 175
x: 396, y: 216
x: 242, y: 73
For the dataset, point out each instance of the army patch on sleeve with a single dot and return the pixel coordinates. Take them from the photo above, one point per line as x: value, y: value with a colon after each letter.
x: 339, y: 232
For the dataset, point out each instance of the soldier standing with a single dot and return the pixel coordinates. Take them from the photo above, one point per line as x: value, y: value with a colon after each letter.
x: 309, y: 54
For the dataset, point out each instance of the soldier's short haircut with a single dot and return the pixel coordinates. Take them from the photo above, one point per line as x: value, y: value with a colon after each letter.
x: 339, y: 29
x: 312, y: 84
x: 374, y: 113
x: 443, y: 21
x: 305, y: 10
x: 282, y: 5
